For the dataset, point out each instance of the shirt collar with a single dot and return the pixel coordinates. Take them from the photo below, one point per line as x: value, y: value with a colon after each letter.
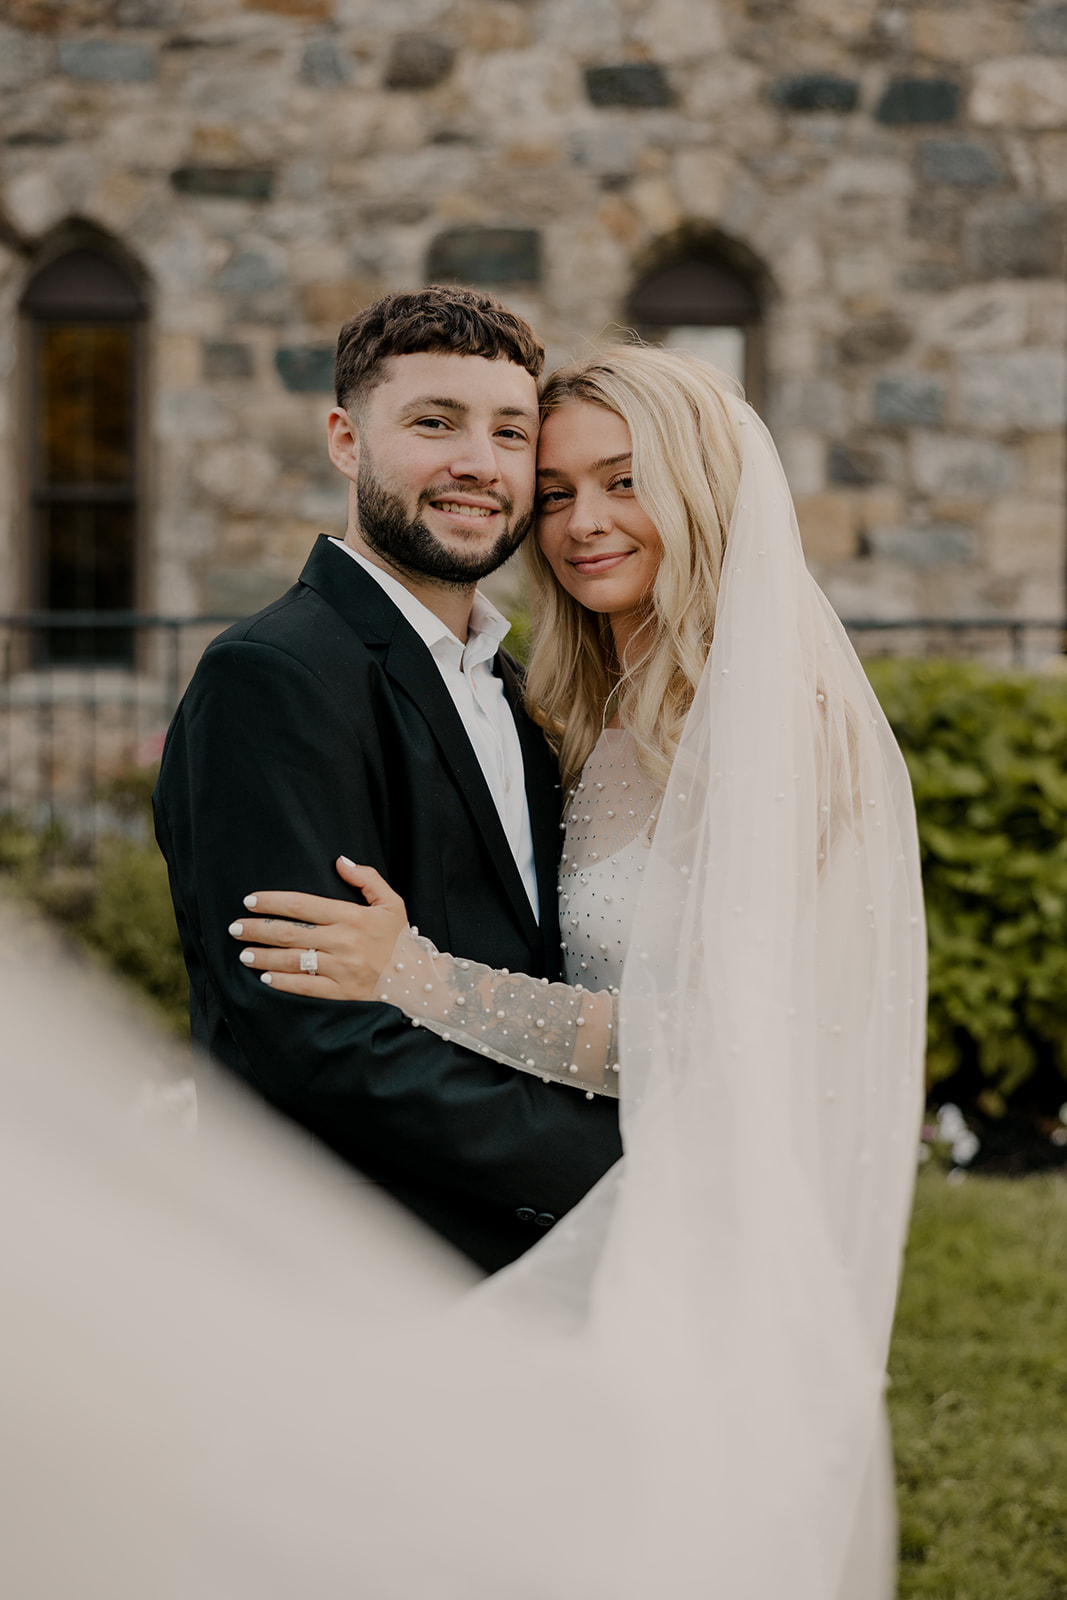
x: 485, y: 631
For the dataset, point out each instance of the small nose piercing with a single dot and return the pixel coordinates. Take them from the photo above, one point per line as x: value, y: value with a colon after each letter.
x: 597, y: 528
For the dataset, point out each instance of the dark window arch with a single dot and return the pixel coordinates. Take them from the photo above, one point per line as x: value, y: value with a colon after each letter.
x: 84, y: 313
x: 705, y: 296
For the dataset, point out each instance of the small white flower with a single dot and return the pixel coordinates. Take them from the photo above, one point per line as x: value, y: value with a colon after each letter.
x: 965, y: 1148
x: 950, y: 1123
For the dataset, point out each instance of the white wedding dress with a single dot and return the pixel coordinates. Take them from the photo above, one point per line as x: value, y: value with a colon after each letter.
x: 608, y: 835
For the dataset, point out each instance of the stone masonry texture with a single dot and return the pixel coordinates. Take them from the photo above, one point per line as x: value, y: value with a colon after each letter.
x: 889, y: 180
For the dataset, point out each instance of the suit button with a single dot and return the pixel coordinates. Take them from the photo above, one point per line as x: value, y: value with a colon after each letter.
x: 544, y: 1219
x: 526, y: 1214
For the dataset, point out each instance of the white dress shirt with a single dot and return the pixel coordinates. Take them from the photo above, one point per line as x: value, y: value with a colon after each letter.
x: 478, y: 695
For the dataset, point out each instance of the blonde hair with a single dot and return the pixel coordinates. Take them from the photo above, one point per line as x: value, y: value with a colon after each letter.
x: 686, y: 470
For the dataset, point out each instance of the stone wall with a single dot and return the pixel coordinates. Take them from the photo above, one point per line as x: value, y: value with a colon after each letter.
x: 900, y: 171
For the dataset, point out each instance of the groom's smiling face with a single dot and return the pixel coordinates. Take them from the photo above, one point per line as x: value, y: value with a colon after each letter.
x: 442, y: 453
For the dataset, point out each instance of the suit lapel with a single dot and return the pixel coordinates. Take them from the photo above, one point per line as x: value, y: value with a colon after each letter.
x: 410, y: 666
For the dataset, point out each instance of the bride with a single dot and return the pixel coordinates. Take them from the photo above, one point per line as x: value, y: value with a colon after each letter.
x: 741, y: 919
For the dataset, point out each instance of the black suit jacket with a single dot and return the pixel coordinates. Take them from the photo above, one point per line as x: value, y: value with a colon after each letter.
x: 321, y: 727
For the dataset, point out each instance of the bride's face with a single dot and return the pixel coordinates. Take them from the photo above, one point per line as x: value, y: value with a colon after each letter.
x: 601, y: 544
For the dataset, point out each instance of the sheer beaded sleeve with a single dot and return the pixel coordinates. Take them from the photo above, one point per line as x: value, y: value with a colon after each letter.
x: 551, y: 1029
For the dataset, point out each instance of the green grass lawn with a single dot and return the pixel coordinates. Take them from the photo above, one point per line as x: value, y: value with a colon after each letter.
x: 979, y: 1391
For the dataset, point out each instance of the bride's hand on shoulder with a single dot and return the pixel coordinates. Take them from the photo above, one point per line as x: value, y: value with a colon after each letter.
x: 325, y: 949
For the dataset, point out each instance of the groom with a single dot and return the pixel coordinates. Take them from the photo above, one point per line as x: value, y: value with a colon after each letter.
x: 370, y: 713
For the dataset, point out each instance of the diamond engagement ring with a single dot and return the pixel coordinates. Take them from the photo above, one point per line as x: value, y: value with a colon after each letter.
x: 309, y: 962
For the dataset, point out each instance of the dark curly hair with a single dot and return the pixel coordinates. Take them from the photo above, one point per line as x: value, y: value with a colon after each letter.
x: 441, y: 319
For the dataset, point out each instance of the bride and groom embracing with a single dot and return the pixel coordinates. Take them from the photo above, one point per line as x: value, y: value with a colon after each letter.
x: 720, y: 974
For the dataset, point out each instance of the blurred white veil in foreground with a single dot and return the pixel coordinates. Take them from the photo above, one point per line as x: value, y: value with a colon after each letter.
x: 231, y: 1370
x: 227, y: 1365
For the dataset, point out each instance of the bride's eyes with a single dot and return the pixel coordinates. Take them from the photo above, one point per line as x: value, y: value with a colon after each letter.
x: 558, y: 496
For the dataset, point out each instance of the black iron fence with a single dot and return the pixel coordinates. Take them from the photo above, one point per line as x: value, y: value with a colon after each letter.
x: 85, y: 701
x: 86, y: 697
x: 1001, y: 641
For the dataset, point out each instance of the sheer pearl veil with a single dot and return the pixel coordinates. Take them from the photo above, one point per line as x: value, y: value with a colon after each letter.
x: 736, y: 1273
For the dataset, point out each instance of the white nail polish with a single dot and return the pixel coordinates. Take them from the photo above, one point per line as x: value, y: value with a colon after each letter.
x: 248, y: 957
x: 266, y: 977
x: 237, y: 928
x: 347, y: 862
x: 251, y: 900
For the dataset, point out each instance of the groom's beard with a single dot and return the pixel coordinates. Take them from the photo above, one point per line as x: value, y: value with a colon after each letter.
x: 410, y: 547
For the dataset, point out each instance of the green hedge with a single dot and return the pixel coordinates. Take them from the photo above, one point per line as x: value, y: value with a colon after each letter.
x: 987, y: 753
x: 118, y: 906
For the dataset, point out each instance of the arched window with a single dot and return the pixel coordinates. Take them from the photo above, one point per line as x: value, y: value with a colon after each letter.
x: 708, y: 302
x: 84, y: 314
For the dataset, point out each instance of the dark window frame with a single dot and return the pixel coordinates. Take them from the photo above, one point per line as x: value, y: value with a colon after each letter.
x: 82, y: 286
x: 702, y: 283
